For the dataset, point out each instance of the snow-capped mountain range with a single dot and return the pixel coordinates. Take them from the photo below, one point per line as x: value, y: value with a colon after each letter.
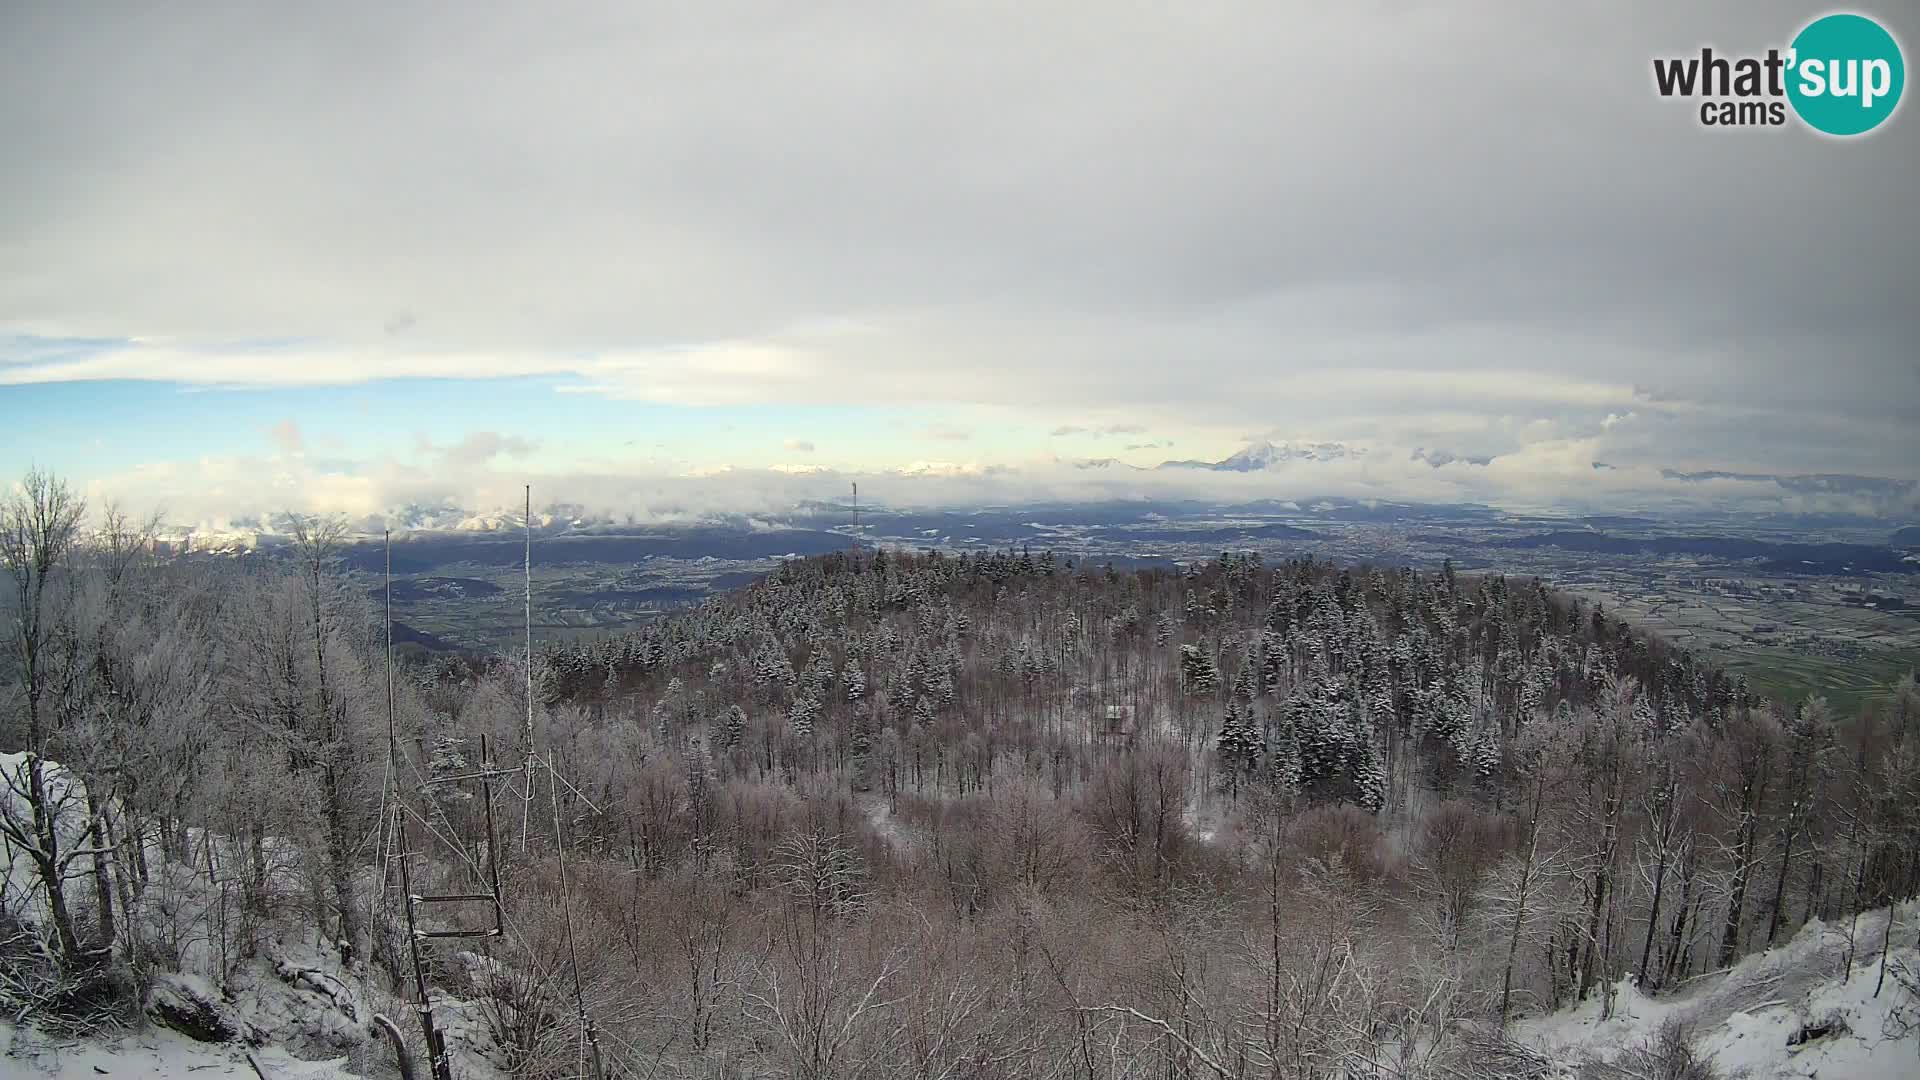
x: 1259, y: 456
x: 1256, y: 456
x: 252, y: 533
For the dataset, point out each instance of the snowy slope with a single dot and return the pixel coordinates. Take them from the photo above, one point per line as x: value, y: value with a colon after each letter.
x: 157, y: 1054
x: 1749, y: 1018
x: 292, y: 998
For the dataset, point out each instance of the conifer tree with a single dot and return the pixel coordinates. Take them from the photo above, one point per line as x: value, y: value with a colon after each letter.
x: 733, y: 727
x: 1283, y: 756
x: 1199, y: 670
x: 1244, y: 687
x: 802, y: 714
x: 1367, y: 767
x: 854, y: 678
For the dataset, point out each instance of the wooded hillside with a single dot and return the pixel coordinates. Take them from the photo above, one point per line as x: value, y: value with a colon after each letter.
x: 892, y: 813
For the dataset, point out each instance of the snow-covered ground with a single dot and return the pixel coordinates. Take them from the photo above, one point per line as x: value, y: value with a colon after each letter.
x: 276, y: 987
x: 1752, y: 1019
x: 153, y: 1054
x: 885, y: 825
x: 303, y: 1015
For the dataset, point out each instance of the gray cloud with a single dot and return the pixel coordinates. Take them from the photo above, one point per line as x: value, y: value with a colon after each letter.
x: 1099, y: 431
x: 1482, y: 230
x: 1437, y: 458
x: 480, y: 447
x: 799, y: 446
x: 217, y: 491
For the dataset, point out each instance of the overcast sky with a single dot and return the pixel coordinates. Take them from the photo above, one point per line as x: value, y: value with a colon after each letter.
x: 339, y: 255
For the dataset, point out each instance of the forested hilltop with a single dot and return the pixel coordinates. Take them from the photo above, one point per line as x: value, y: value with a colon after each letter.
x: 886, y: 813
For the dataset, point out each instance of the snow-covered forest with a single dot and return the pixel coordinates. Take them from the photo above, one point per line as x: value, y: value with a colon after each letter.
x: 895, y: 814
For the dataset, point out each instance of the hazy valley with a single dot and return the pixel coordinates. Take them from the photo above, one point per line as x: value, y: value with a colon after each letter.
x: 1813, y: 603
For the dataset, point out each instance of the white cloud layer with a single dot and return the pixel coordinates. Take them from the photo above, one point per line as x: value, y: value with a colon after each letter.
x: 1467, y: 229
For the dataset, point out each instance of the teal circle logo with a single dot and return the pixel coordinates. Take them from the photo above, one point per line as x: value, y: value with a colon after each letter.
x: 1845, y: 74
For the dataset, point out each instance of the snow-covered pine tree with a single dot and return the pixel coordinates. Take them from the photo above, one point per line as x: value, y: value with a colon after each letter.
x: 802, y: 714
x: 854, y: 678
x: 733, y: 727
x: 1381, y: 708
x: 1283, y: 755
x: 1244, y: 687
x: 1366, y: 766
x: 1484, y: 756
x: 1236, y: 744
x: 1197, y: 667
x: 819, y: 681
x: 766, y: 667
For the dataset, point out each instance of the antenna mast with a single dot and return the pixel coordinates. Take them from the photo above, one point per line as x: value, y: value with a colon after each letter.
x: 856, y: 520
x: 526, y: 808
x: 528, y: 520
x: 393, y: 739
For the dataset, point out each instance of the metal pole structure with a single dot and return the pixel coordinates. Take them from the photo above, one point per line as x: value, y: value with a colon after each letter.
x: 566, y: 901
x: 493, y: 840
x: 856, y: 522
x: 379, y: 908
x: 528, y: 519
x: 526, y: 805
x: 393, y: 738
x: 437, y: 1061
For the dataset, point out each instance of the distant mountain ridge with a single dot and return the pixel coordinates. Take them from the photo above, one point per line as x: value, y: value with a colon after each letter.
x: 1260, y: 456
x: 1806, y: 484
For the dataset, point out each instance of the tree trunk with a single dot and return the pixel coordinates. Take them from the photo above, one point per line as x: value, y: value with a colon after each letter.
x: 1742, y: 868
x: 1653, y: 912
x: 1780, y: 886
x: 1677, y: 938
x: 340, y: 866
x: 1519, y: 918
x: 46, y: 860
x: 102, y: 868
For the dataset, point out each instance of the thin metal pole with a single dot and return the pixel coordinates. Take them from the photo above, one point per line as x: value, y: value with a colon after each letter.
x: 393, y: 739
x: 526, y: 804
x: 528, y: 520
x: 566, y: 901
x: 493, y: 841
x: 393, y: 743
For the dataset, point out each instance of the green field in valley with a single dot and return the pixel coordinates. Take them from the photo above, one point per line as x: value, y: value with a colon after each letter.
x: 1846, y: 683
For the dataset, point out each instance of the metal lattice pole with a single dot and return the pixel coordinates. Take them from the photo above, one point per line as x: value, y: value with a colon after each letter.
x: 436, y: 1047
